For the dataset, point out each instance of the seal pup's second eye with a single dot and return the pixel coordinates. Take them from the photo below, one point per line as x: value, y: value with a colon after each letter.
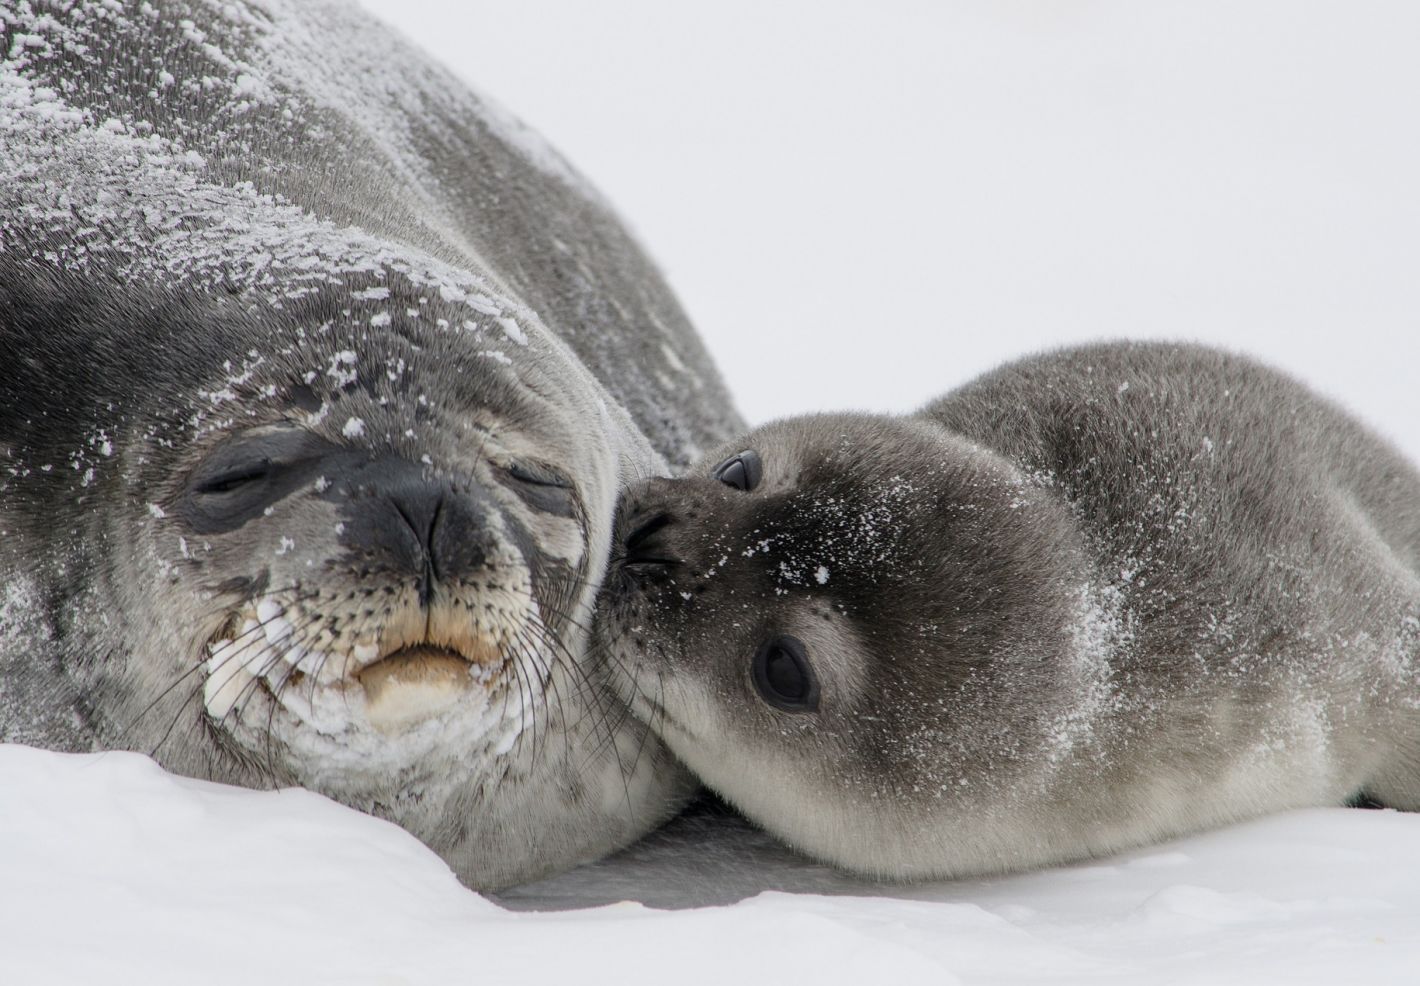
x: 784, y: 677
x: 742, y: 471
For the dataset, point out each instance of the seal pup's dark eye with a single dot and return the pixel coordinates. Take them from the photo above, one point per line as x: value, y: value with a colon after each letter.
x: 784, y: 677
x: 742, y: 471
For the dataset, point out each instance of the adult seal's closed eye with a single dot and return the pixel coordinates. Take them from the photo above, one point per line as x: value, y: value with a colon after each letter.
x: 1094, y: 599
x: 321, y: 378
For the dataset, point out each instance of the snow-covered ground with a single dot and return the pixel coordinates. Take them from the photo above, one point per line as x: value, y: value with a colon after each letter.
x: 861, y: 205
x: 116, y: 872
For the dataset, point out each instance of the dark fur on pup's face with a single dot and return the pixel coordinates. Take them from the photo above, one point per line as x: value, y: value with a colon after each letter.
x: 902, y: 564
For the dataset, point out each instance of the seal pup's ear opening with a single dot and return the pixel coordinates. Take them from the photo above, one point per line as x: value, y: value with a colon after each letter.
x: 783, y: 675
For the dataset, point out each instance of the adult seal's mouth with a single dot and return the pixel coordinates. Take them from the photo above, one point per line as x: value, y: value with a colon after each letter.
x: 387, y: 681
x: 414, y: 684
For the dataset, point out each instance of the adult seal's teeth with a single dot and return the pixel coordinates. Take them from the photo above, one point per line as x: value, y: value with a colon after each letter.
x: 276, y: 630
x: 366, y: 653
x: 219, y: 653
x: 268, y: 610
x: 224, y: 688
x: 523, y: 710
x: 294, y: 655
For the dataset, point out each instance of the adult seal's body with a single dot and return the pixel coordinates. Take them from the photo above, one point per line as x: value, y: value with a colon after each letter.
x: 320, y: 381
x: 1092, y: 600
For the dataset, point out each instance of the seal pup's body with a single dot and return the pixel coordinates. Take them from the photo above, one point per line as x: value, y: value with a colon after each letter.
x: 321, y: 376
x: 1091, y: 600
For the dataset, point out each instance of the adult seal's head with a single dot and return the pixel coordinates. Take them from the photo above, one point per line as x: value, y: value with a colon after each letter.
x: 1093, y: 600
x: 322, y: 379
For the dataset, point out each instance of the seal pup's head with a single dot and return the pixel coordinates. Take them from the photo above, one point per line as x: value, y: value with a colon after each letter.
x: 860, y: 630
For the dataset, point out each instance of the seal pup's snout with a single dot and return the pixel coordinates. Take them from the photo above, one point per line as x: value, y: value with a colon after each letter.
x: 645, y: 533
x: 665, y: 523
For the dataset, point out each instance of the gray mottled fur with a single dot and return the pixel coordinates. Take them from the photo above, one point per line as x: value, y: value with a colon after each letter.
x: 218, y: 217
x: 1094, y: 599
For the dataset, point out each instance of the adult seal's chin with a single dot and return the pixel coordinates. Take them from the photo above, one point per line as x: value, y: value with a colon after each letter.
x: 415, y: 684
x: 322, y: 400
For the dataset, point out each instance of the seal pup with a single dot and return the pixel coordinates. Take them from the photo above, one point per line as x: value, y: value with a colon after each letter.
x: 1094, y: 599
x: 321, y: 376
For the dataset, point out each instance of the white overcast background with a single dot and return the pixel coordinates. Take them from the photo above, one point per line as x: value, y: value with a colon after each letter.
x: 862, y: 205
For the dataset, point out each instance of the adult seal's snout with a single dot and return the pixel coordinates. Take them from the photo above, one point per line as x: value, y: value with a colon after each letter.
x: 403, y: 520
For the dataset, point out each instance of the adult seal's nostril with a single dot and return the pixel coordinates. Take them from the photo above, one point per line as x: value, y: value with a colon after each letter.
x: 459, y: 538
x: 420, y: 505
x: 403, y: 522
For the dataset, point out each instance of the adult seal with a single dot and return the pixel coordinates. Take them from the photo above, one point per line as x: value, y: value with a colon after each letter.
x: 321, y: 377
x: 1092, y: 600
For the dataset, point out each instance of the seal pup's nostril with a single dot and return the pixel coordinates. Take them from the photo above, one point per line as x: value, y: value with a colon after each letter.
x: 643, y: 547
x: 646, y: 530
